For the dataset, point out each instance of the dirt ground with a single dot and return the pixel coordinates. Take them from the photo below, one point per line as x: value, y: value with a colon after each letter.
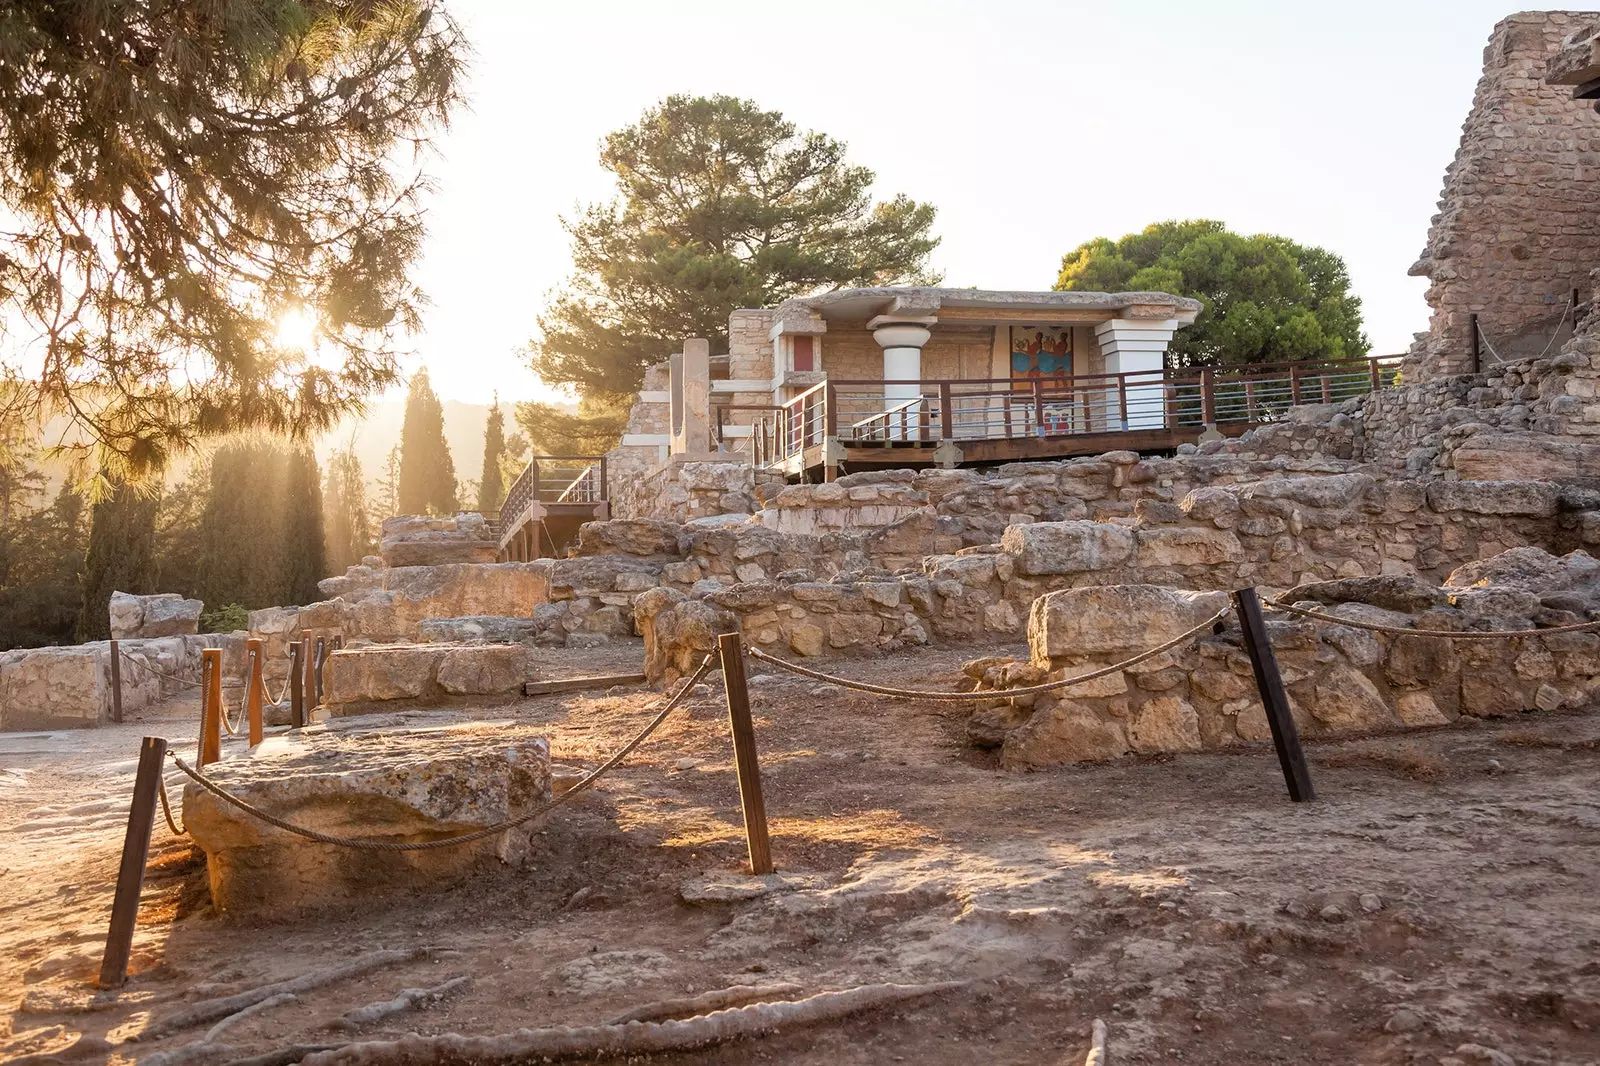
x: 1439, y: 903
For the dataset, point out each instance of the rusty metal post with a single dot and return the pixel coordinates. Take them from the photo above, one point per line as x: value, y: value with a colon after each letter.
x: 135, y: 852
x: 253, y: 694
x: 210, y: 706
x: 745, y: 764
x: 321, y: 657
x: 1274, y: 700
x: 116, y: 682
x: 297, y: 691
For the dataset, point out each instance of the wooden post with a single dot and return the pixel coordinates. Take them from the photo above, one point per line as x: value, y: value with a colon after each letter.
x: 130, y: 875
x: 1327, y: 390
x: 116, y: 682
x: 1208, y: 397
x: 830, y: 410
x: 1377, y: 382
x: 1122, y: 399
x: 308, y: 664
x: 947, y: 412
x: 1038, y: 407
x: 210, y: 706
x: 731, y: 647
x: 253, y: 694
x: 297, y: 692
x: 604, y: 493
x: 1285, y: 736
x: 321, y: 657
x: 1294, y: 384
x: 1477, y: 351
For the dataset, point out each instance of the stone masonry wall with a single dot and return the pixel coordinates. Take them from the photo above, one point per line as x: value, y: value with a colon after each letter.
x: 1517, y: 228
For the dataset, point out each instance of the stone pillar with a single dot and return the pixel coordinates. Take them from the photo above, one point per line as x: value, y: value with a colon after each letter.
x: 690, y: 432
x: 902, y: 360
x: 1137, y: 346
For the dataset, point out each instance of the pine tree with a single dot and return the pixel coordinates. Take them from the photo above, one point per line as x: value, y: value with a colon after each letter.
x: 121, y: 556
x: 176, y: 176
x: 241, y: 557
x: 304, y: 554
x: 491, y: 489
x: 427, y: 473
x: 344, y: 510
x: 388, y: 500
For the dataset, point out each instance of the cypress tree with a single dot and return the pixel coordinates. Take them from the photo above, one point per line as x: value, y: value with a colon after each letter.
x: 427, y: 473
x: 121, y: 556
x: 241, y: 527
x: 304, y: 553
x: 345, y: 513
x: 491, y: 488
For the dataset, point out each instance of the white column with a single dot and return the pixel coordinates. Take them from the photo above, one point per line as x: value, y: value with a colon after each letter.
x: 1137, y: 346
x: 902, y: 361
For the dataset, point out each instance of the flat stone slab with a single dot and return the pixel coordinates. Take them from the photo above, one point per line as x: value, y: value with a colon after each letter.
x: 737, y: 888
x: 356, y: 679
x: 396, y: 785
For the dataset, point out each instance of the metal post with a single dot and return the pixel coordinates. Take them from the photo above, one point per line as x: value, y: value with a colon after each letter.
x: 731, y: 647
x: 135, y: 852
x: 321, y: 657
x: 297, y: 692
x: 210, y: 706
x: 116, y: 682
x: 253, y: 694
x: 1477, y: 353
x: 1285, y: 736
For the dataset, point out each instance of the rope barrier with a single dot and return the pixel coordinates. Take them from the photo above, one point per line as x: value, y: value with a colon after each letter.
x: 1403, y: 631
x: 166, y: 808
x: 461, y: 838
x: 989, y: 694
x: 147, y: 668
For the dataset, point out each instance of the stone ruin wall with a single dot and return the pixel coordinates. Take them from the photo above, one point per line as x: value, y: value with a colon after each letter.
x: 1517, y: 230
x: 1340, y: 680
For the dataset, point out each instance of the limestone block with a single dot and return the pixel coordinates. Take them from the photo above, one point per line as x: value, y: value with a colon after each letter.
x: 1111, y: 622
x: 1192, y: 546
x: 1392, y: 592
x: 381, y: 672
x: 1166, y: 723
x: 396, y: 786
x: 165, y: 614
x: 644, y: 537
x: 53, y: 688
x: 491, y: 629
x: 1531, y: 498
x: 1042, y: 548
x: 490, y: 670
x: 1061, y: 733
x: 1344, y: 700
x: 421, y: 540
x: 806, y: 639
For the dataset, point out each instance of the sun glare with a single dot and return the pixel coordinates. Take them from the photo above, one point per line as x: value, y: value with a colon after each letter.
x: 297, y: 329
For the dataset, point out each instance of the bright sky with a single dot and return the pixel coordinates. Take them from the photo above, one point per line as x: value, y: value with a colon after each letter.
x: 1031, y: 126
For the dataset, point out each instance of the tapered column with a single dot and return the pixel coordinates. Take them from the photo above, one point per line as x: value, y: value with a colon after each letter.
x: 902, y: 361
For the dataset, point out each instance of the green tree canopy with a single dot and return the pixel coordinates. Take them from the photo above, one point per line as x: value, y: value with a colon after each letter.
x: 491, y: 482
x: 720, y: 205
x: 427, y: 473
x: 590, y: 430
x: 178, y: 176
x: 1267, y: 299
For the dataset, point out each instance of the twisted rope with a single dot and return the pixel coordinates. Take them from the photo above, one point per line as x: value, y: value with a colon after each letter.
x: 990, y: 694
x: 147, y: 668
x: 361, y: 844
x: 1405, y: 631
x: 166, y: 808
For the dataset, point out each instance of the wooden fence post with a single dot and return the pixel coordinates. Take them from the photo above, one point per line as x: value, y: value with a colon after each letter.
x: 135, y: 852
x: 297, y: 692
x: 321, y: 656
x: 253, y: 694
x: 210, y: 706
x: 116, y: 682
x: 745, y: 765
x: 1285, y: 736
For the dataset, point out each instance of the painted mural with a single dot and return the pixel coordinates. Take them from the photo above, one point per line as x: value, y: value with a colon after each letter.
x: 1041, y: 352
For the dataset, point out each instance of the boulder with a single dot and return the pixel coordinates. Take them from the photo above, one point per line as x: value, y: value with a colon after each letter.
x: 1392, y: 592
x: 397, y: 786
x: 1043, y: 548
x: 165, y: 614
x: 630, y: 536
x: 422, y: 540
x: 1531, y: 498
x: 1062, y: 733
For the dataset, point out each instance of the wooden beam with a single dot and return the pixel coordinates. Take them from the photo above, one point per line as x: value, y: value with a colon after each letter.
x: 135, y: 852
x: 576, y: 684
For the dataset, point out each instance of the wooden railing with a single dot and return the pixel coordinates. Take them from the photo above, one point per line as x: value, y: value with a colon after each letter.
x: 553, y: 479
x: 856, y: 411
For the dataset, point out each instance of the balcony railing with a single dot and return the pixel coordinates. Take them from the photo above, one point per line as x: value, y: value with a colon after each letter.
x: 553, y: 479
x: 856, y: 412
